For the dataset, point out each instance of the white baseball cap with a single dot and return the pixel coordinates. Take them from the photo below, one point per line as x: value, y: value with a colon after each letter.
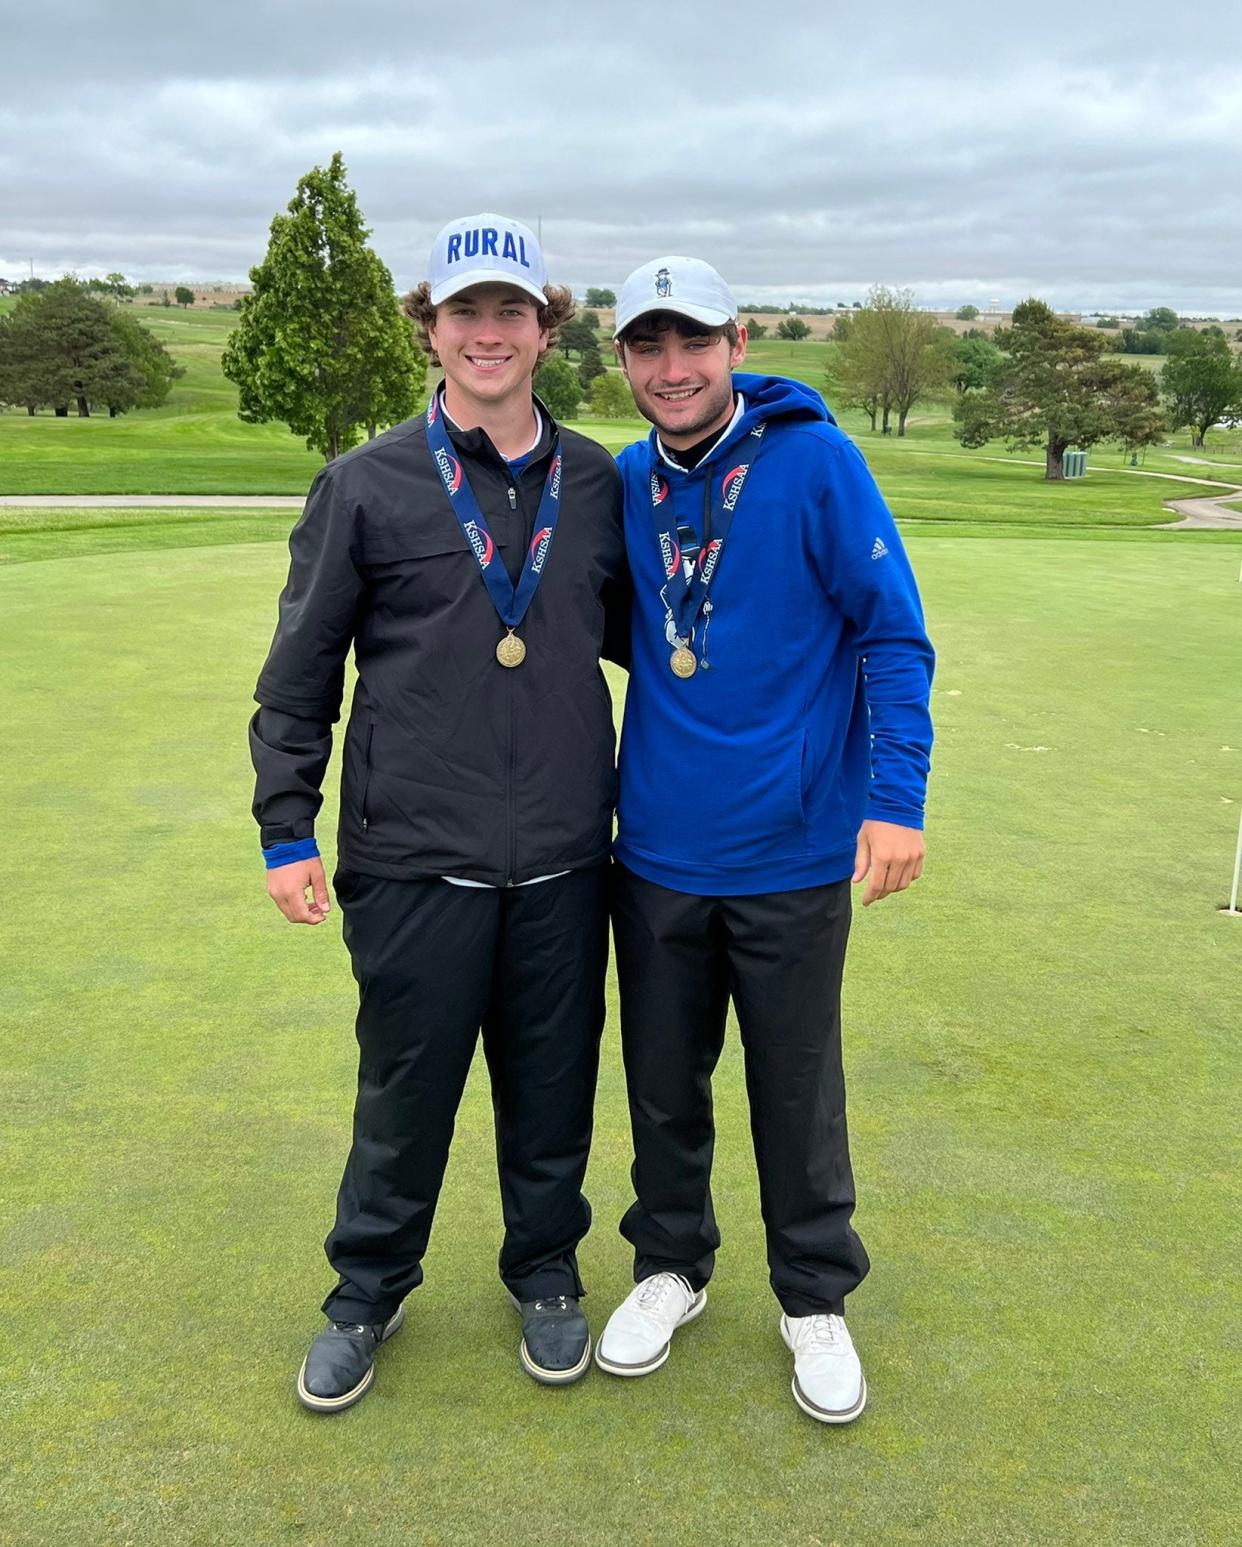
x: 687, y: 286
x: 486, y: 249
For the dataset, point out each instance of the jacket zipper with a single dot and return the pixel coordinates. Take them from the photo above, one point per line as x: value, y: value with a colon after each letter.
x: 512, y: 866
x: 512, y: 791
x: 366, y: 774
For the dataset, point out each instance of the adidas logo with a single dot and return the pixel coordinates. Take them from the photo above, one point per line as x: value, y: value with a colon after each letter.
x: 879, y: 551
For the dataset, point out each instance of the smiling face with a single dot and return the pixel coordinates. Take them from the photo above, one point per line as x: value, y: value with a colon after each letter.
x: 489, y: 341
x: 681, y: 375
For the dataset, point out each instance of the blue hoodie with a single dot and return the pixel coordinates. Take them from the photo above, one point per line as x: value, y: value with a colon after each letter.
x: 755, y: 774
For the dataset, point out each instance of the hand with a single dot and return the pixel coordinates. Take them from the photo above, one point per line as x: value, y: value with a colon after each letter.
x: 287, y: 886
x: 892, y: 854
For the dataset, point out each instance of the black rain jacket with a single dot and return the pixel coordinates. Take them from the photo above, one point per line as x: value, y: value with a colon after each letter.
x: 453, y: 764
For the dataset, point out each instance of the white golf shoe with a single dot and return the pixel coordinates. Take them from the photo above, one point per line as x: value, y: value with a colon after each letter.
x: 637, y: 1337
x: 828, y: 1381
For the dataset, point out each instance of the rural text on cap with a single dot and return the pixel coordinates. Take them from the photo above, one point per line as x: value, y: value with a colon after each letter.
x: 486, y: 249
x: 687, y: 286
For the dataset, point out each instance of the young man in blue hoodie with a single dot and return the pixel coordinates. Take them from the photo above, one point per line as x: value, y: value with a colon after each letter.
x: 775, y: 748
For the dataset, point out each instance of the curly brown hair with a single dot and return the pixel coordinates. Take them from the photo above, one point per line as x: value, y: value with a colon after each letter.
x: 553, y: 315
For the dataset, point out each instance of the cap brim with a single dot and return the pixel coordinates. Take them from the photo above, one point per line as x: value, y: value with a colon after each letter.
x: 709, y: 316
x: 468, y: 280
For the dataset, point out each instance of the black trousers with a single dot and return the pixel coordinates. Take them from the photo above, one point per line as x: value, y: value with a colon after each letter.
x: 434, y: 963
x: 780, y: 956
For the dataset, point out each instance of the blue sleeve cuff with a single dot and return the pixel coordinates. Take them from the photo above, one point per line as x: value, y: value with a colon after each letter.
x: 287, y: 853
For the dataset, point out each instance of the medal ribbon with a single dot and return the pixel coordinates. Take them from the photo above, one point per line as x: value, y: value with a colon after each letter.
x: 511, y: 602
x: 684, y: 599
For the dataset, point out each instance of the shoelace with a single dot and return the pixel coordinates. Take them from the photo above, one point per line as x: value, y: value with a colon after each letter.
x: 556, y: 1303
x: 823, y: 1335
x: 654, y: 1291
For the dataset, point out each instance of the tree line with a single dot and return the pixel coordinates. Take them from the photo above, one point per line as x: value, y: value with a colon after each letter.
x: 1043, y: 380
x: 64, y: 346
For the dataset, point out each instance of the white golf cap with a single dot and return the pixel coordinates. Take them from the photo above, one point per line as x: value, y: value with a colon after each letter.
x: 483, y: 250
x: 687, y: 286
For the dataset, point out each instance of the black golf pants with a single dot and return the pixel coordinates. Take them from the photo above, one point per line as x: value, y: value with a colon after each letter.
x: 780, y: 957
x: 434, y: 963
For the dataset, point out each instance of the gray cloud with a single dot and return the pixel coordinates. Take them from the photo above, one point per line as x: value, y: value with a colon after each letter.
x: 807, y: 150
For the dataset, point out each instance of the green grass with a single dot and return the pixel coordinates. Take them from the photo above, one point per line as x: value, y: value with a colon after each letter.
x: 196, y: 444
x: 1041, y: 1043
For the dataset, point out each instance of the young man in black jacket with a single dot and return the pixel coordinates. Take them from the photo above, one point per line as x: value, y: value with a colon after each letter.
x: 474, y: 559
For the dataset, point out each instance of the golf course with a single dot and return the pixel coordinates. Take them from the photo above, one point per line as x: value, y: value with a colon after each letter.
x: 1040, y: 1047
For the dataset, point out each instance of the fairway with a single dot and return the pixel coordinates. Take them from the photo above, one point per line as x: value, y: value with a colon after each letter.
x: 1040, y: 1044
x: 195, y: 444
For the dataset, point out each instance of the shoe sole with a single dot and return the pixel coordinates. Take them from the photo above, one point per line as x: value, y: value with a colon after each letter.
x: 555, y: 1377
x: 317, y: 1404
x: 823, y: 1414
x: 551, y: 1377
x: 697, y: 1306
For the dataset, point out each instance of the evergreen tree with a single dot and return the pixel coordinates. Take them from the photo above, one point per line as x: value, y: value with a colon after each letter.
x: 322, y: 343
x: 64, y: 341
x: 1055, y: 390
x: 590, y: 367
x: 63, y: 345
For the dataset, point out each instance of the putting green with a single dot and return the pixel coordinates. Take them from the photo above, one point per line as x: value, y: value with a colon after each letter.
x: 1040, y: 1041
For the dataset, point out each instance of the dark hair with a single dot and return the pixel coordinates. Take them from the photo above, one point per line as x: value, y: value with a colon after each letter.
x: 553, y: 314
x: 652, y: 324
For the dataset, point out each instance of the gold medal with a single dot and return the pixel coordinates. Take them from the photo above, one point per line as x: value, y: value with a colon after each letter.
x: 683, y: 663
x: 511, y: 651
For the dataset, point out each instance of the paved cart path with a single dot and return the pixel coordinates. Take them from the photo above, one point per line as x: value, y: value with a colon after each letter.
x: 1196, y: 513
x: 155, y: 501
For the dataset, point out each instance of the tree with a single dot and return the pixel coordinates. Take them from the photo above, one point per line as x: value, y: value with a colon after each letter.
x: 893, y: 355
x: 322, y: 343
x: 155, y: 367
x: 116, y: 287
x: 184, y: 296
x: 1138, y: 341
x: 65, y: 344
x: 1055, y: 389
x: 1160, y: 319
x: 591, y: 320
x: 23, y: 366
x: 590, y: 367
x: 755, y: 329
x: 856, y: 372
x: 975, y: 363
x: 557, y: 384
x: 610, y: 396
x: 841, y: 328
x: 1201, y: 380
x: 793, y: 329
x: 601, y: 298
x: 966, y: 313
x: 1132, y: 401
x: 576, y: 335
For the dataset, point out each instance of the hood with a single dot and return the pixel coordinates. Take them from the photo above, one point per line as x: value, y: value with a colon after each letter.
x: 768, y: 397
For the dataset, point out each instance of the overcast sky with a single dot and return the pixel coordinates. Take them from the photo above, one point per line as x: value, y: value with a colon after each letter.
x: 1087, y: 152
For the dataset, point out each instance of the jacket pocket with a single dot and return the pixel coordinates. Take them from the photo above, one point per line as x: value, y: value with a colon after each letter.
x: 366, y: 773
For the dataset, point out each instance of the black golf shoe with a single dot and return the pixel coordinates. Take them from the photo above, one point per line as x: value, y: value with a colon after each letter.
x: 339, y: 1368
x: 556, y: 1341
